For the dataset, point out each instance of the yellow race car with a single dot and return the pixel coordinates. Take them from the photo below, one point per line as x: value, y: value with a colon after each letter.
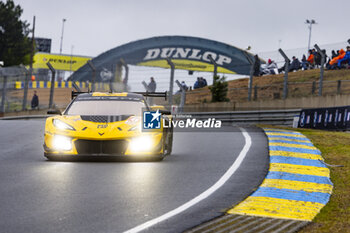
x: 106, y: 125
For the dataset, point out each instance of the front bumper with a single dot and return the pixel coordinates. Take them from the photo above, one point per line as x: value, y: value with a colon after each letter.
x: 117, y: 148
x: 102, y: 157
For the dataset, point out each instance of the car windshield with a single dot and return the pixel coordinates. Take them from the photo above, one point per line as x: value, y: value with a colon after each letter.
x: 106, y: 108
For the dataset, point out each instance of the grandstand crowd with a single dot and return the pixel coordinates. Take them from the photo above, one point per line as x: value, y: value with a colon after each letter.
x: 339, y: 59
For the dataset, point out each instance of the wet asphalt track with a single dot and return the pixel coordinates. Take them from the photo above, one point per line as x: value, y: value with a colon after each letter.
x: 37, y: 195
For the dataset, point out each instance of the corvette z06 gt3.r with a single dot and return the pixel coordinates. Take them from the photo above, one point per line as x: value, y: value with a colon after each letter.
x: 101, y: 124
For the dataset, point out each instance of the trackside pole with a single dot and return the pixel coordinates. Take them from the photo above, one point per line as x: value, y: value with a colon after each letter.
x: 323, y: 61
x: 149, y: 99
x: 27, y: 77
x: 171, y: 86
x: 3, y: 97
x: 250, y: 84
x: 215, y: 67
x: 126, y: 78
x: 286, y: 70
x: 183, y: 95
x: 52, y: 88
x: 93, y: 79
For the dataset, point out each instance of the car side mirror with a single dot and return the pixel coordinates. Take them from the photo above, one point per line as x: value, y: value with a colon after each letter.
x: 165, y: 112
x: 54, y: 112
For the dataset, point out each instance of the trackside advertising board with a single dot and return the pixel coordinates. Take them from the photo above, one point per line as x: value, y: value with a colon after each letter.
x: 186, y: 53
x: 59, y: 62
x: 335, y: 118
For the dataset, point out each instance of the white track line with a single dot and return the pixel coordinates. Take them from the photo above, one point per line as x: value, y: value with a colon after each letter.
x: 205, y: 194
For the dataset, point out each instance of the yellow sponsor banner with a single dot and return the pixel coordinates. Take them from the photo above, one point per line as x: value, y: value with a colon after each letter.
x: 186, y: 65
x: 18, y: 84
x: 59, y: 62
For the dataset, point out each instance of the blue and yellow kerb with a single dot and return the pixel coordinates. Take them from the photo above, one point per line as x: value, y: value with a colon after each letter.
x: 298, y: 183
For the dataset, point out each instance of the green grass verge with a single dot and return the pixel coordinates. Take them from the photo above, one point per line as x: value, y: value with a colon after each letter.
x: 335, y: 148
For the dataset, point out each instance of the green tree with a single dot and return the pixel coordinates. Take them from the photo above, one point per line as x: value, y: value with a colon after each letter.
x: 219, y: 89
x: 15, y: 45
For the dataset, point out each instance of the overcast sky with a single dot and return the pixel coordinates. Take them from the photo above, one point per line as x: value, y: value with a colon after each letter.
x: 93, y: 27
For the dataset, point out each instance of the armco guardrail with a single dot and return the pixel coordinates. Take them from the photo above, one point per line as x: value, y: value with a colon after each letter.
x: 272, y: 117
x: 25, y: 117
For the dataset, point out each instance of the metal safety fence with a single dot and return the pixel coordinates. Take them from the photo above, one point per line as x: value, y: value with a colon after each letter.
x: 273, y: 91
x: 17, y: 85
x: 17, y: 90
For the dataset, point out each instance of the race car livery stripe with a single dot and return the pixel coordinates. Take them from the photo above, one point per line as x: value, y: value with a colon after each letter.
x: 297, y: 185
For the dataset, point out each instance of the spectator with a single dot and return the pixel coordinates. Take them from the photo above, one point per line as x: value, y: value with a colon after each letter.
x: 295, y: 65
x: 201, y: 82
x: 311, y: 59
x: 257, y: 65
x: 196, y: 85
x: 334, y: 61
x: 204, y: 82
x: 304, y: 63
x: 317, y: 57
x: 271, y: 68
x: 345, y: 58
x: 334, y: 54
x: 35, y: 101
x: 152, y: 86
x: 184, y: 86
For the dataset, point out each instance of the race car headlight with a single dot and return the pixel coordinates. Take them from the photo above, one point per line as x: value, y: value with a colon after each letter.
x: 61, y: 125
x: 143, y: 143
x: 61, y: 143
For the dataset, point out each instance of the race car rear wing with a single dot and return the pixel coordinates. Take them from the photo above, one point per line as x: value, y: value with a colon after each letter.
x: 146, y: 94
x: 76, y: 93
x: 154, y: 94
